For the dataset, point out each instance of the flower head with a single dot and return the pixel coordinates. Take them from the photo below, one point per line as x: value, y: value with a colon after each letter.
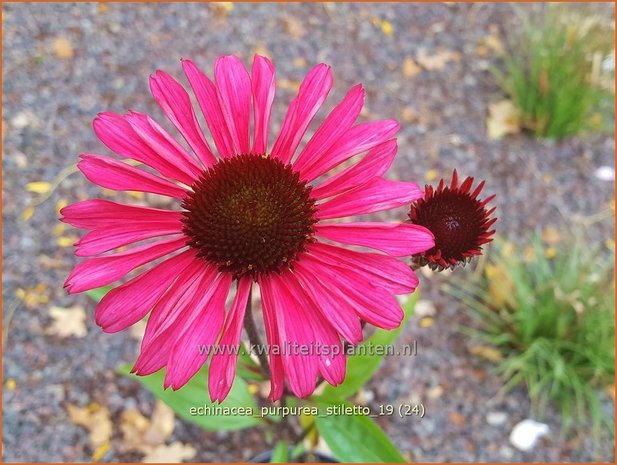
x: 459, y: 220
x: 246, y: 212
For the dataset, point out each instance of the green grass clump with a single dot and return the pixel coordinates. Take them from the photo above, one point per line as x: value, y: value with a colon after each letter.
x: 549, y: 317
x: 553, y: 72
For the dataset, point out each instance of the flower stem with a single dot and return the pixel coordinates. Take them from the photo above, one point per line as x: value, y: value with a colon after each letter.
x: 253, y: 334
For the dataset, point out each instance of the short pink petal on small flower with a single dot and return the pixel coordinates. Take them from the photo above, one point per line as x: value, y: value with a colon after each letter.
x: 263, y: 84
x: 376, y: 195
x: 395, y: 239
x: 116, y: 175
x: 375, y: 163
x: 235, y: 95
x: 98, y: 213
x: 178, y: 161
x: 338, y: 122
x: 311, y: 95
x: 125, y: 305
x: 358, y: 139
x: 341, y: 316
x: 296, y: 336
x: 120, y: 234
x: 176, y: 104
x: 117, y: 133
x: 371, y: 302
x: 268, y: 303
x: 223, y: 364
x: 202, y: 328
x: 387, y: 272
x: 207, y: 97
x: 100, y: 271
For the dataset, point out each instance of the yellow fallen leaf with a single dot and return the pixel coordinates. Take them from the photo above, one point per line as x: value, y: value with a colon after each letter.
x: 410, y: 68
x: 548, y: 178
x: 39, y: 187
x: 431, y: 175
x: 10, y: 384
x: 102, y: 7
x: 300, y: 62
x: 500, y: 286
x: 221, y: 9
x: 426, y: 322
x: 96, y: 419
x: 387, y: 28
x: 294, y: 27
x: 66, y: 241
x: 58, y: 229
x: 100, y: 451
x: 60, y: 204
x: 63, y: 48
x: 144, y: 434
x: 27, y: 214
x: 487, y: 352
x: 609, y: 244
x: 175, y: 452
x: 503, y: 118
x: 550, y: 253
x: 67, y: 322
x: 408, y: 115
x: 33, y: 296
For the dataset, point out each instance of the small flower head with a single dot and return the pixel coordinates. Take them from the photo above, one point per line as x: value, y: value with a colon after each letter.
x: 458, y: 219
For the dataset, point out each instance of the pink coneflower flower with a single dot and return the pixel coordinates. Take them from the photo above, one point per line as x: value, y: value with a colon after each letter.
x: 246, y: 214
x: 459, y: 220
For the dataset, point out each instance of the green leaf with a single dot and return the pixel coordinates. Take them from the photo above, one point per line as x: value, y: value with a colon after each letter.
x: 280, y: 452
x: 98, y: 293
x: 355, y: 438
x: 362, y: 366
x: 195, y: 394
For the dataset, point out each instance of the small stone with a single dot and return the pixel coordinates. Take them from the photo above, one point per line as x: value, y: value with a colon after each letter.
x: 496, y: 418
x: 526, y: 433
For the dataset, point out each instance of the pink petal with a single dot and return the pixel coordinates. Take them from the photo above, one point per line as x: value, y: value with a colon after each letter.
x: 161, y: 334
x: 313, y: 92
x: 234, y: 86
x: 262, y: 80
x: 176, y: 104
x: 178, y: 161
x: 100, y: 271
x: 371, y: 302
x: 376, y: 195
x: 387, y: 272
x: 119, y: 135
x: 207, y: 97
x: 375, y: 163
x: 113, y: 174
x: 296, y: 336
x: 392, y: 238
x: 341, y: 316
x: 97, y: 213
x: 358, y: 139
x: 223, y: 364
x: 120, y: 234
x: 167, y: 309
x: 326, y: 344
x: 202, y: 326
x: 129, y: 303
x: 268, y: 304
x: 339, y: 121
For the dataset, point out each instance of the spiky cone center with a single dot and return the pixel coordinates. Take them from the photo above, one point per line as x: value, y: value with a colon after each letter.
x: 458, y: 219
x: 249, y: 214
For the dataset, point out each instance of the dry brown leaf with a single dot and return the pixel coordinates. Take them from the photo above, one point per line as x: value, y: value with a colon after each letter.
x: 487, y: 352
x: 174, y: 452
x: 500, y: 286
x: 410, y: 68
x: 503, y: 118
x: 143, y: 434
x: 70, y: 321
x: 63, y: 48
x: 294, y: 27
x: 95, y: 418
x: 456, y: 418
x: 551, y: 236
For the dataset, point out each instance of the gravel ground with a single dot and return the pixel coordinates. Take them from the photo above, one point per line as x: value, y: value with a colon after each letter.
x: 49, y: 102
